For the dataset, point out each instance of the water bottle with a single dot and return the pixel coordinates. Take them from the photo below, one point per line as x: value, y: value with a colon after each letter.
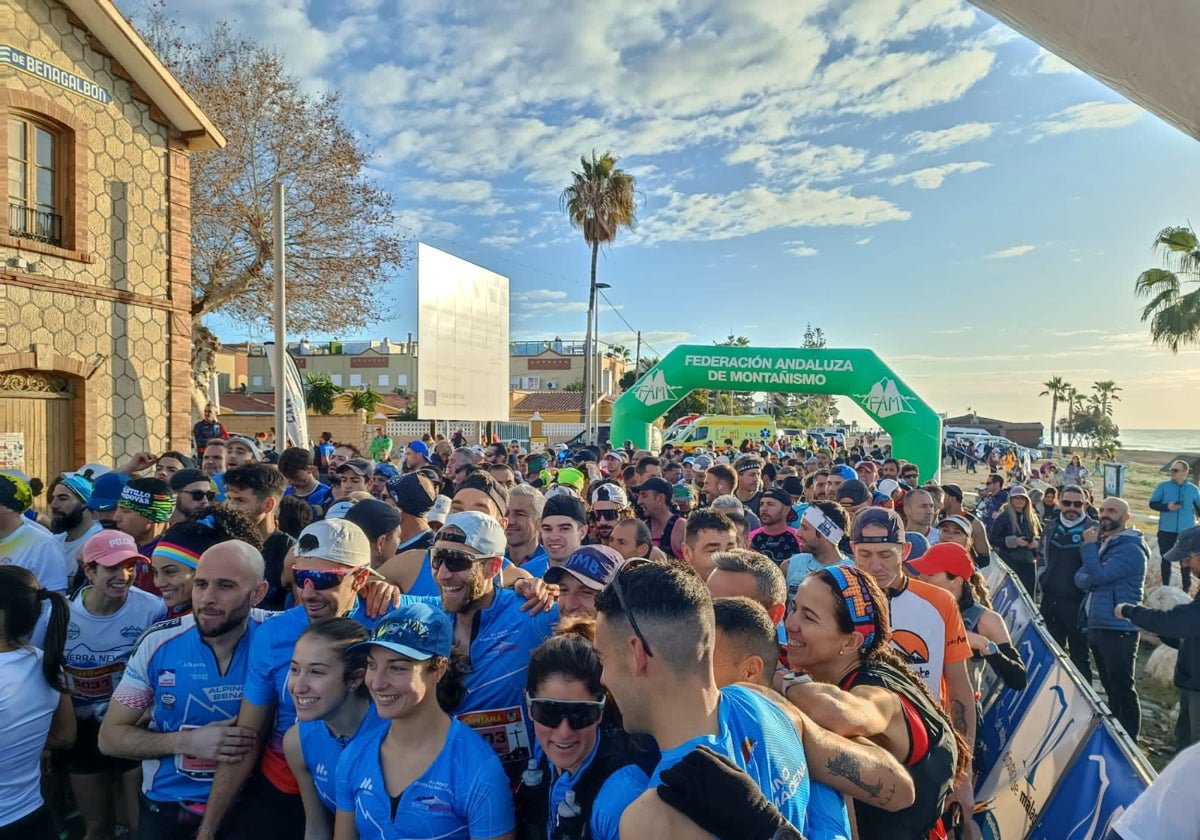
x: 532, y: 777
x: 569, y: 808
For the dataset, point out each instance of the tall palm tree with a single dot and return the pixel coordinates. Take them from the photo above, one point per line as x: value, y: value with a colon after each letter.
x: 1173, y: 313
x: 600, y: 200
x: 1106, y: 395
x: 1056, y: 388
x: 1075, y: 404
x: 320, y: 392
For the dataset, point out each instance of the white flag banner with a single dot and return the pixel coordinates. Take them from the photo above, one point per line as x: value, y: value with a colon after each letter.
x: 214, y: 391
x: 293, y: 396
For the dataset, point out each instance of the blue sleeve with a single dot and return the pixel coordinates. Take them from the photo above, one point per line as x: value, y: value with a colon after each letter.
x: 542, y: 625
x: 617, y: 794
x: 489, y: 804
x: 1122, y: 563
x: 826, y: 816
x: 260, y: 687
x: 343, y: 790
x: 1157, y: 497
x: 1090, y: 556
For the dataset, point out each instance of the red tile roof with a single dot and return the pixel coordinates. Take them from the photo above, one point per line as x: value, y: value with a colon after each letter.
x: 552, y: 401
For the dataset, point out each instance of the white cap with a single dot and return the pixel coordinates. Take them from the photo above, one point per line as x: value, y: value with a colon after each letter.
x: 337, y: 541
x: 440, y: 510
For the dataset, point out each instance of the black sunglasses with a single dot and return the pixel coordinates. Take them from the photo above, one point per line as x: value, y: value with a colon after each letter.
x: 616, y: 585
x: 200, y: 495
x: 453, y: 559
x: 605, y: 515
x: 1069, y: 503
x: 579, y: 714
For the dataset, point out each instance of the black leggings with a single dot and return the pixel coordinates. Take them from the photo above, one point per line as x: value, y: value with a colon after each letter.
x: 1166, y: 540
x: 35, y: 826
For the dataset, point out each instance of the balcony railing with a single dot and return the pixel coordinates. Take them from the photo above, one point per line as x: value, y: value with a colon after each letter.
x: 30, y: 223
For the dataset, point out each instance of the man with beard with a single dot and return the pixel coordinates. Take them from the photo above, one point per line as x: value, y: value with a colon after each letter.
x: 667, y: 527
x: 1062, y: 548
x: 610, y: 504
x: 194, y: 493
x: 256, y: 491
x: 776, y: 538
x: 70, y: 520
x: 492, y: 629
x: 187, y: 675
x: 144, y: 513
x: 333, y: 565
x: 241, y: 450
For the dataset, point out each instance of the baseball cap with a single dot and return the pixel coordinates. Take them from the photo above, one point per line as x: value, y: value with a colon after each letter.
x: 919, y: 544
x: 747, y: 462
x: 246, y: 442
x: 845, y: 472
x: 477, y: 531
x: 571, y: 478
x: 338, y: 510
x: 685, y: 491
x: 361, y: 466
x: 410, y: 495
x: 592, y: 565
x: 879, y: 518
x: 106, y: 491
x: 722, y: 459
x: 1017, y: 490
x: 110, y: 548
x: 440, y: 510
x: 1186, y: 544
x: 944, y: 557
x: 416, y: 630
x: 703, y: 463
x: 888, y: 486
x: 183, y: 478
x: 953, y: 491
x: 960, y: 521
x: 658, y: 485
x: 385, y: 470
x: 376, y: 518
x: 855, y: 491
x: 337, y: 541
x: 565, y: 505
x: 614, y: 493
x: 420, y: 447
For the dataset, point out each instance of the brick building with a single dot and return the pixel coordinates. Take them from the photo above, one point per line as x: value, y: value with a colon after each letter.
x: 95, y: 275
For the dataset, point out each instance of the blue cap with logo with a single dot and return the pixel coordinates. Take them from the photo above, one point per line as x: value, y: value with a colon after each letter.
x: 106, y: 491
x: 418, y: 631
x: 592, y: 565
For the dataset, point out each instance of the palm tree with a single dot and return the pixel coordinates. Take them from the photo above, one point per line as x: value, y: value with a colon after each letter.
x: 621, y: 352
x: 600, y: 200
x: 1075, y: 404
x: 1056, y: 388
x: 366, y: 399
x: 1105, y: 396
x: 320, y: 392
x: 1174, y: 314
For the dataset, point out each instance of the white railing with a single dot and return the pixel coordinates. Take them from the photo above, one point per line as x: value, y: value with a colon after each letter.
x: 406, y: 428
x: 561, y: 430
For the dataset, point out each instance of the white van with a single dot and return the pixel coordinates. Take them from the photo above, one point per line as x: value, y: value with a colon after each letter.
x: 975, y: 432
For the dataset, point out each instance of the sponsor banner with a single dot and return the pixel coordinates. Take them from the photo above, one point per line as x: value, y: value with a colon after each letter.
x: 1003, y: 707
x: 1009, y: 600
x: 1095, y: 791
x: 295, y: 410
x: 1059, y: 718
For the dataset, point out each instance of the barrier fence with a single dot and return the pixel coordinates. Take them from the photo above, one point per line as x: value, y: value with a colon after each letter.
x: 1057, y: 764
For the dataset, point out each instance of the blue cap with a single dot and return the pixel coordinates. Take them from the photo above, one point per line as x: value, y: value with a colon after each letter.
x: 593, y: 565
x: 418, y: 631
x: 385, y: 470
x: 106, y: 491
x: 919, y: 544
x: 844, y: 471
x: 420, y: 447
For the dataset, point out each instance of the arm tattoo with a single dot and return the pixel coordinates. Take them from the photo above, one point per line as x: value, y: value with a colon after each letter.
x: 849, y: 768
x: 958, y: 714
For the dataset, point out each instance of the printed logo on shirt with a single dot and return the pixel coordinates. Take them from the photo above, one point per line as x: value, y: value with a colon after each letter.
x: 217, y: 694
x: 132, y: 632
x: 73, y: 630
x: 166, y: 678
x: 167, y: 700
x: 747, y: 748
x: 432, y: 803
x: 366, y: 784
x: 912, y: 647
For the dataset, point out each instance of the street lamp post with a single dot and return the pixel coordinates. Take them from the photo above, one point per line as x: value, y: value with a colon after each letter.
x: 589, y: 351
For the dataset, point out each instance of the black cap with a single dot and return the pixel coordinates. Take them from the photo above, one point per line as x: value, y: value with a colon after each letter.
x: 1186, y: 544
x: 565, y: 504
x: 855, y: 491
x: 376, y: 518
x: 658, y: 485
x: 183, y: 478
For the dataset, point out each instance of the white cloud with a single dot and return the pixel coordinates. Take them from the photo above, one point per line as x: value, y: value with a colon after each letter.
x: 948, y: 138
x: 866, y: 240
x: 1090, y: 115
x: 501, y: 241
x: 538, y: 296
x: 799, y: 249
x: 1008, y: 253
x: 1048, y: 62
x: 933, y: 177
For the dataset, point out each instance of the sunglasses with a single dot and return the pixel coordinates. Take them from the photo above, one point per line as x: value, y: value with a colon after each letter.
x: 321, y: 580
x: 606, y: 515
x: 1070, y: 503
x: 620, y: 593
x: 201, y: 495
x: 579, y: 714
x: 453, y: 559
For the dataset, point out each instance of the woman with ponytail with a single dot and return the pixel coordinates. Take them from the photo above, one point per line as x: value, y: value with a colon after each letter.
x: 35, y: 706
x: 852, y: 682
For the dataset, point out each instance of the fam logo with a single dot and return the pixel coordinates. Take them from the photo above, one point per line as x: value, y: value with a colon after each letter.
x: 654, y: 389
x: 885, y: 399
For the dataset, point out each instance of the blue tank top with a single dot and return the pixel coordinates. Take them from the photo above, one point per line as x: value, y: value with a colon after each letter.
x: 463, y: 794
x: 322, y: 752
x: 761, y: 739
x: 615, y: 795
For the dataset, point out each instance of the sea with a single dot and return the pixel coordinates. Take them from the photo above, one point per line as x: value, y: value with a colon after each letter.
x: 1162, y: 440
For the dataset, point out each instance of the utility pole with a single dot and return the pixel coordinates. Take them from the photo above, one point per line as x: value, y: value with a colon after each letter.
x: 281, y: 326
x: 637, y: 359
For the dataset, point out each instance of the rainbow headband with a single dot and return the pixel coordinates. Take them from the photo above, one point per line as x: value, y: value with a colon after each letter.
x: 858, y: 601
x: 169, y: 552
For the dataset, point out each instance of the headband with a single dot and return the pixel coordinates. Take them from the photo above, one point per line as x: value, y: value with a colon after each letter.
x: 171, y: 551
x: 858, y: 602
x: 825, y: 526
x: 157, y: 507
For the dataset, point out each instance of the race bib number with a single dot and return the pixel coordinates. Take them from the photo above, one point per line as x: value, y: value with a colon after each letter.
x: 90, y: 685
x: 202, y: 769
x: 504, y: 729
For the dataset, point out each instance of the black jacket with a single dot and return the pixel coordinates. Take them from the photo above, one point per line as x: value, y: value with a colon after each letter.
x: 1060, y: 548
x: 1182, y: 623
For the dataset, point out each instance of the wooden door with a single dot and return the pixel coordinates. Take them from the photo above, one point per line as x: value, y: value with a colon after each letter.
x: 40, y: 406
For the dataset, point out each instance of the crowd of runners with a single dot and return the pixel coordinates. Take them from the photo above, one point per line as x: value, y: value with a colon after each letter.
x: 484, y: 642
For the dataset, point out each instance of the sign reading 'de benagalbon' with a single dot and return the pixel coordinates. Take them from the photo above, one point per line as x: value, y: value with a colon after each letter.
x: 54, y: 75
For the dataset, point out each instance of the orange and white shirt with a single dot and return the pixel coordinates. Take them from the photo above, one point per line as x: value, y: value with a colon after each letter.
x: 927, y: 631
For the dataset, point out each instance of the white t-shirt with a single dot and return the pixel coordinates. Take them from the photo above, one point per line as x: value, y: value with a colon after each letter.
x: 70, y: 548
x: 27, y: 704
x: 98, y: 647
x: 35, y: 549
x: 1169, y: 807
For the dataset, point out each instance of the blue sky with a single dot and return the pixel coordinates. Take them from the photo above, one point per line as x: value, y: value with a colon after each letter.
x: 909, y: 175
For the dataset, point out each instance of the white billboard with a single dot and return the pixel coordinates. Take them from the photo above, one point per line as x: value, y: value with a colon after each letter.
x: 462, y: 326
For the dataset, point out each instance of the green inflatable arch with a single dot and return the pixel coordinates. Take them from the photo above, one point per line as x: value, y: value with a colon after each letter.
x: 915, y: 428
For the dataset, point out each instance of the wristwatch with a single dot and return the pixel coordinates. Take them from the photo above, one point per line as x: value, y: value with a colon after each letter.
x: 786, y: 832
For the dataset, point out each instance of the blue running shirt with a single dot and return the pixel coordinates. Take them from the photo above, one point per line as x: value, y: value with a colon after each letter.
x: 615, y: 795
x: 750, y: 723
x: 175, y: 676
x: 464, y: 793
x: 322, y: 752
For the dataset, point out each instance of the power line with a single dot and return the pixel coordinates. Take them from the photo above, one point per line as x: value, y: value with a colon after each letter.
x: 625, y: 321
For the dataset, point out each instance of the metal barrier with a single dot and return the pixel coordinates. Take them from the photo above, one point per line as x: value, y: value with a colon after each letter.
x: 1057, y: 764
